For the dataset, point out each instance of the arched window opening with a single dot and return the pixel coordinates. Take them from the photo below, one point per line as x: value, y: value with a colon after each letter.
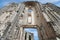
x: 30, y: 10
x: 29, y: 20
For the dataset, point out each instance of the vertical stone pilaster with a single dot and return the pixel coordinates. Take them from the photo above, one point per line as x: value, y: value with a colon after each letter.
x: 39, y: 34
x: 21, y: 33
x: 24, y: 35
x: 32, y: 37
x: 27, y: 36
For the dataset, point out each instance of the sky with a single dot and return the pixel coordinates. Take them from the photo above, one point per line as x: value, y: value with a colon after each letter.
x: 5, y: 2
x: 34, y: 31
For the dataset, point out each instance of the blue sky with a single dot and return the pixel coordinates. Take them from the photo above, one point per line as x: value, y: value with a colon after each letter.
x: 5, y: 2
x: 34, y: 31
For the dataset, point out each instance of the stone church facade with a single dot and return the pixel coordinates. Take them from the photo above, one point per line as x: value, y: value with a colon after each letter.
x: 30, y: 14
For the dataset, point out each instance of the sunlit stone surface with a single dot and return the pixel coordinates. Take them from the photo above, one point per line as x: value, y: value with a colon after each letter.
x: 30, y: 14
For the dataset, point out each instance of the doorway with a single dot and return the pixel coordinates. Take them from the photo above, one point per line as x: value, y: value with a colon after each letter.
x: 34, y: 31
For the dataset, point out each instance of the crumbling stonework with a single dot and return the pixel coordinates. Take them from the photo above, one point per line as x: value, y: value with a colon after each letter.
x: 31, y: 14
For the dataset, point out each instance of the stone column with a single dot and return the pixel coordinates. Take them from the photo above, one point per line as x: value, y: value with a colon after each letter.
x: 24, y: 35
x: 32, y: 37
x: 39, y: 34
x: 21, y: 33
x: 27, y: 36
